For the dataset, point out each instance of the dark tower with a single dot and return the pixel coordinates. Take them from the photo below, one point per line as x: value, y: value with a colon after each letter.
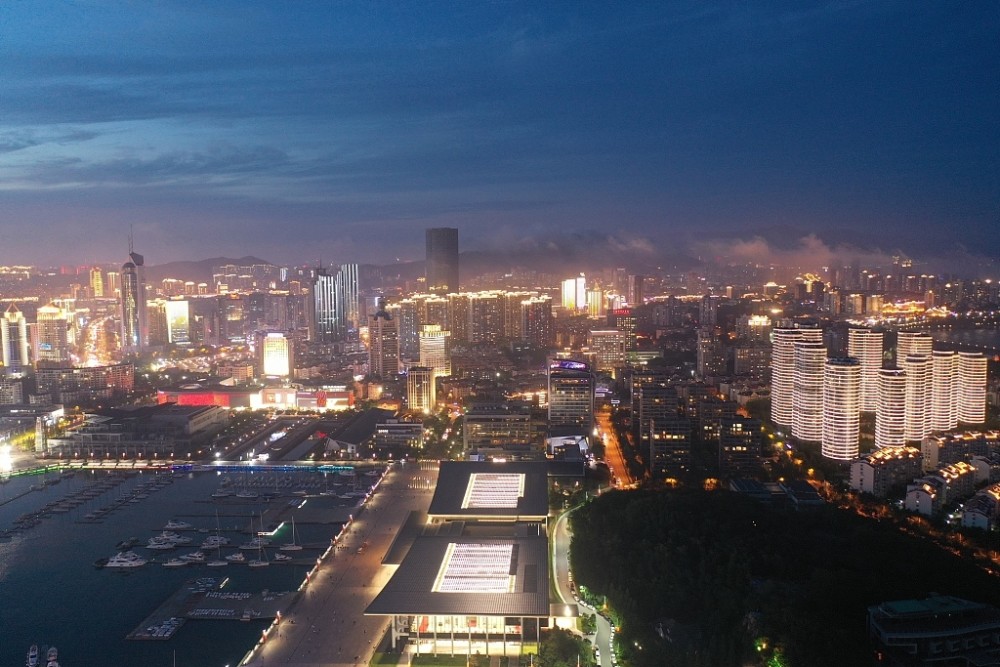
x: 442, y: 260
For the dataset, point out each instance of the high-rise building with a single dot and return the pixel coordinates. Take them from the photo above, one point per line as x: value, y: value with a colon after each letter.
x: 536, y: 321
x: 97, y: 282
x: 783, y: 370
x: 52, y: 331
x: 944, y: 394
x: 420, y: 388
x: 14, y: 335
x: 178, y: 322
x: 636, y: 290
x: 919, y: 372
x: 135, y: 323
x: 383, y: 344
x: 348, y: 297
x: 912, y: 343
x: 334, y: 305
x: 485, y: 317
x: 276, y: 354
x: 435, y: 349
x: 890, y: 411
x: 607, y: 347
x: 841, y: 408
x: 865, y: 345
x: 571, y: 395
x: 807, y: 422
x: 442, y: 260
x: 972, y: 367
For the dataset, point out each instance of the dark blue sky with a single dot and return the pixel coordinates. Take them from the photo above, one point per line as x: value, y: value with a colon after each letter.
x: 305, y: 130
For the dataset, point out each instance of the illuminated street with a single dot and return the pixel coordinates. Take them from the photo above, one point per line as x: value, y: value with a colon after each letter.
x: 620, y: 475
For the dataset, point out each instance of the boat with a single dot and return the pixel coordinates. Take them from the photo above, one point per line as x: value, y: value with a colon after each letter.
x: 261, y: 559
x: 214, y: 541
x: 32, y: 656
x: 248, y: 495
x: 294, y: 546
x: 125, y: 545
x: 176, y: 562
x: 174, y: 524
x: 194, y: 557
x: 160, y: 546
x: 237, y: 557
x: 222, y: 493
x: 255, y: 544
x: 282, y: 558
x: 126, y: 559
x: 52, y: 657
x: 218, y: 562
x: 101, y: 562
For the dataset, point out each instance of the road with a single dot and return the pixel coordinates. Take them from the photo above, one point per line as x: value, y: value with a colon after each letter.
x: 613, y: 451
x: 561, y: 538
x: 326, y: 625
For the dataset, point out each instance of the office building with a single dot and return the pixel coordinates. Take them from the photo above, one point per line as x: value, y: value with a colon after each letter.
x: 178, y: 318
x: 741, y: 443
x: 441, y: 268
x: 807, y: 394
x: 134, y: 319
x: 15, y: 342
x: 52, y: 333
x: 536, y: 321
x: 669, y: 446
x: 890, y: 411
x: 636, y: 290
x: 783, y: 370
x: 276, y: 354
x: 571, y: 395
x: 841, y: 408
x: 421, y: 394
x: 607, y: 349
x: 865, y: 345
x: 383, y: 344
x: 97, y: 282
x: 334, y: 304
x: 490, y: 427
x: 435, y: 349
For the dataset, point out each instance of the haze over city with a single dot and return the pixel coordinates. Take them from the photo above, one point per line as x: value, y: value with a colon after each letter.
x: 294, y: 131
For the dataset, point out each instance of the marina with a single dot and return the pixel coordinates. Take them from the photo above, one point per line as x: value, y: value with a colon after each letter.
x: 54, y: 553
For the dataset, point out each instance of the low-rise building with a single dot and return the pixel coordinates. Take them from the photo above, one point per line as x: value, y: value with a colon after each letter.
x: 885, y: 469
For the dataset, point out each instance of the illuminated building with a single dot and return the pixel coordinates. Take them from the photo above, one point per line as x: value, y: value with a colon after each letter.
x: 741, y: 442
x: 607, y: 348
x: 408, y: 323
x: 571, y: 395
x: 807, y: 422
x: 754, y: 329
x: 712, y: 353
x: 97, y: 282
x: 383, y: 345
x: 488, y: 427
x: 669, y: 445
x: 420, y: 389
x: 458, y: 316
x: 912, y: 343
x: 52, y: 332
x: 435, y: 349
x: 15, y: 342
x: 783, y: 370
x: 596, y: 306
x: 276, y: 354
x: 334, y: 304
x: 574, y: 293
x: 623, y: 319
x: 485, y: 317
x: 536, y: 321
x: 972, y: 367
x: 883, y: 470
x: 944, y: 395
x: 865, y: 345
x: 918, y: 370
x: 441, y: 268
x: 890, y: 411
x: 841, y: 408
x: 178, y: 322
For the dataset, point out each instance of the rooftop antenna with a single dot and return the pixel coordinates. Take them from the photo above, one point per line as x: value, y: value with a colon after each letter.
x: 130, y: 248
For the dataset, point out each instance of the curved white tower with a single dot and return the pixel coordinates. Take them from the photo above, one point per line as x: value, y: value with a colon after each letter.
x: 890, y: 413
x: 807, y: 423
x: 865, y: 345
x: 841, y: 408
x: 971, y: 387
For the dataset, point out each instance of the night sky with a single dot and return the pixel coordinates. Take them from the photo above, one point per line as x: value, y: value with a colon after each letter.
x: 298, y: 131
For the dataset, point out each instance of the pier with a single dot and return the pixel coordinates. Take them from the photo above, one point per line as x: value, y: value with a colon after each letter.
x: 206, y: 599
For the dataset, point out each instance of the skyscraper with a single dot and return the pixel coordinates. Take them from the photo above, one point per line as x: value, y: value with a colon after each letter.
x: 571, y: 395
x: 944, y: 395
x: 912, y: 343
x: 865, y: 345
x: 971, y: 387
x: 420, y: 388
x: 442, y: 260
x: 52, y: 331
x: 783, y: 370
x: 14, y: 335
x: 918, y: 369
x: 890, y: 411
x: 334, y: 305
x: 807, y: 422
x: 435, y: 349
x: 383, y: 344
x: 135, y: 326
x: 841, y: 408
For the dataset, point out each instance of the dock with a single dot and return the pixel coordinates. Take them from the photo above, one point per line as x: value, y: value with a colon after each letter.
x: 205, y: 598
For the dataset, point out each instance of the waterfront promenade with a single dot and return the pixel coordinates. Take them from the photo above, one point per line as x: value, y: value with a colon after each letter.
x: 326, y: 626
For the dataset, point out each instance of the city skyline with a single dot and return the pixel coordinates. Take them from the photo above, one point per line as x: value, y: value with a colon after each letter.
x: 293, y: 132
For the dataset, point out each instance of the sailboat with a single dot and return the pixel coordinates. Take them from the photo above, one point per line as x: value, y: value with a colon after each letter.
x: 218, y: 560
x: 294, y: 546
x: 261, y: 559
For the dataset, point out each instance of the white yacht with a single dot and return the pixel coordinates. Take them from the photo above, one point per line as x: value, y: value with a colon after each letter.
x: 126, y: 559
x: 237, y: 557
x: 194, y: 557
x: 175, y: 562
x: 174, y: 524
